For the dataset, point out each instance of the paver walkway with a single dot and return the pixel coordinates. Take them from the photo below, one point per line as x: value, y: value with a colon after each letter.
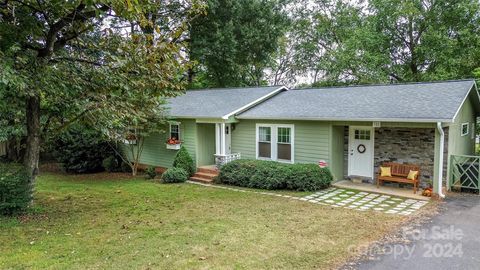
x: 351, y: 199
x: 363, y: 201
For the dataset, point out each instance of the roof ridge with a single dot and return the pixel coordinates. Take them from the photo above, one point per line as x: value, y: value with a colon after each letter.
x: 235, y: 88
x: 383, y: 84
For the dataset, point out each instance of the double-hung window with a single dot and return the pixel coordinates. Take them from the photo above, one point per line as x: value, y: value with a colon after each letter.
x: 264, y: 142
x: 175, y: 131
x: 275, y: 142
x: 464, y: 129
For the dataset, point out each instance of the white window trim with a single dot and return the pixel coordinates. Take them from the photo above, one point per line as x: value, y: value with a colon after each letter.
x: 274, y: 141
x: 170, y: 130
x: 467, y: 124
x: 473, y: 131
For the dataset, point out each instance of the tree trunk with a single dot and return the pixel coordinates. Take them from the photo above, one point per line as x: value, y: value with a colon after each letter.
x: 32, y: 152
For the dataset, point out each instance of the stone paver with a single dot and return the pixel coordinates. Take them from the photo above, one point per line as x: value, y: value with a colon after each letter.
x: 363, y: 201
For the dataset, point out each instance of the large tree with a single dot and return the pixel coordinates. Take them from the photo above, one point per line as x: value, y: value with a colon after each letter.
x: 63, y: 61
x: 235, y: 41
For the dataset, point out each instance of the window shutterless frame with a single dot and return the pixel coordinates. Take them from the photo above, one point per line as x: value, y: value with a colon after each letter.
x: 287, y: 137
x: 464, y: 129
x: 174, y: 128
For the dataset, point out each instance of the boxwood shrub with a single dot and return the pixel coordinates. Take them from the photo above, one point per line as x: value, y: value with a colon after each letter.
x: 15, y: 191
x: 184, y: 160
x: 274, y: 175
x: 174, y: 175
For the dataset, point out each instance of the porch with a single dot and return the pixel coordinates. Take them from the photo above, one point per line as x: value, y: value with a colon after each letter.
x: 386, y: 190
x: 366, y: 148
x: 214, y: 144
x: 213, y: 149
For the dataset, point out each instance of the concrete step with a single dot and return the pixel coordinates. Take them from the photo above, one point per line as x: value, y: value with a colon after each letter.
x: 201, y: 179
x: 205, y: 175
x: 207, y: 170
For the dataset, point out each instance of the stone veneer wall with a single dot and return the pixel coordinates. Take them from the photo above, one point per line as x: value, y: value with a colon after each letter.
x: 408, y: 145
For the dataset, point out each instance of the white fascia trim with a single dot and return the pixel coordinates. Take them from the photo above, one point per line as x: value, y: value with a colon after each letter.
x: 253, y: 103
x: 195, y: 117
x: 474, y: 86
x: 352, y: 119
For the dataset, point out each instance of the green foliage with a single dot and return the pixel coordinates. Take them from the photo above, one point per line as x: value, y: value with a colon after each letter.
x: 124, y: 167
x: 174, y: 175
x: 111, y: 164
x: 15, y: 190
x: 81, y: 150
x: 274, y: 175
x: 235, y: 41
x: 340, y: 42
x: 68, y: 62
x: 150, y: 172
x: 184, y: 160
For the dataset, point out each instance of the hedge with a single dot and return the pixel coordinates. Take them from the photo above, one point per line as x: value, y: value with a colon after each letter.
x: 274, y: 175
x: 15, y: 190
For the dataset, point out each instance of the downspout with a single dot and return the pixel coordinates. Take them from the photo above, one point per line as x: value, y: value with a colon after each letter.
x: 440, y: 160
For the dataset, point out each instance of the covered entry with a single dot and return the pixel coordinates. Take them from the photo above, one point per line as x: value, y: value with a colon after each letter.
x: 205, y: 144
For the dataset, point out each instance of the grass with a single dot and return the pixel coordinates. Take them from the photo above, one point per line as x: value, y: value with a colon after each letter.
x: 112, y: 222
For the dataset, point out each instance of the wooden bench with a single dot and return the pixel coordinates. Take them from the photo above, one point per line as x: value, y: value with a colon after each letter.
x: 399, y: 174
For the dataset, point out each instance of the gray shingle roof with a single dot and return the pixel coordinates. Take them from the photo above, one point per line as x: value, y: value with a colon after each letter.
x: 411, y: 102
x: 215, y: 103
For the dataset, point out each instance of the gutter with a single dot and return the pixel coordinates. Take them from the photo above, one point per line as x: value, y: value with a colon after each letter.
x: 440, y: 160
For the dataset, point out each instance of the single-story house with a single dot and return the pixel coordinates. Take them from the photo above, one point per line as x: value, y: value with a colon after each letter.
x: 353, y: 129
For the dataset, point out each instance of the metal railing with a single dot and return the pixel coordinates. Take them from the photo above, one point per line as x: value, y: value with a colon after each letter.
x: 464, y: 172
x: 221, y: 160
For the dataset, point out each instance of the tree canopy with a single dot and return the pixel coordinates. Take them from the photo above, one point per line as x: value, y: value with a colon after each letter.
x: 108, y: 62
x: 235, y: 41
x: 345, y: 42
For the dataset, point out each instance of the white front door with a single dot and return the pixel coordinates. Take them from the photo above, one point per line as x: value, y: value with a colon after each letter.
x: 360, y: 151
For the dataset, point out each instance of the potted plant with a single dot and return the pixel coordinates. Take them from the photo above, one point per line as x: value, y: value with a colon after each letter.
x: 174, y: 143
x: 428, y: 189
x: 131, y: 138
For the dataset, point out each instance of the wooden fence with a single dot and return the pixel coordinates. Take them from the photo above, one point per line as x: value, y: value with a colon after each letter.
x: 464, y: 172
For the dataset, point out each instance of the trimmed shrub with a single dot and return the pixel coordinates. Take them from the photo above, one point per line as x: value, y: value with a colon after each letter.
x: 184, y: 160
x: 274, y: 175
x: 150, y: 172
x: 15, y: 191
x: 82, y: 150
x: 175, y: 175
x: 111, y: 164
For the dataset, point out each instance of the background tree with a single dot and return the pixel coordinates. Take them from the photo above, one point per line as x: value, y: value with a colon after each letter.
x: 425, y: 40
x: 345, y: 42
x: 235, y: 41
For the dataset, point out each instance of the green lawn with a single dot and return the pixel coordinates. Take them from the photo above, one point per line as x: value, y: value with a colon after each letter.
x: 109, y: 221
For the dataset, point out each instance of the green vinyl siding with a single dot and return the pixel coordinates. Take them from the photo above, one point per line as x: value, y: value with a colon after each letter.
x: 205, y: 144
x: 458, y: 144
x: 338, y: 144
x: 311, y: 139
x: 155, y: 152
